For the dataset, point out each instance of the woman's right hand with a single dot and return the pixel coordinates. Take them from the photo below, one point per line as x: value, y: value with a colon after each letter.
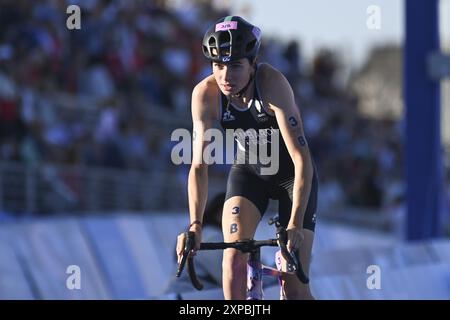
x: 181, y: 241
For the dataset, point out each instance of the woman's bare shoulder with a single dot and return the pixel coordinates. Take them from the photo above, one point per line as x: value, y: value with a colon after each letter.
x: 267, y: 72
x: 205, y: 96
x: 206, y: 88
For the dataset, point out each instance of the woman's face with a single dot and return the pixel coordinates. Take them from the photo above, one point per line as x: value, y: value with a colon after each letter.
x: 233, y: 76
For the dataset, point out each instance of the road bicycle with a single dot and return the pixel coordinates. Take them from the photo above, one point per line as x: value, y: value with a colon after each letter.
x: 255, y: 269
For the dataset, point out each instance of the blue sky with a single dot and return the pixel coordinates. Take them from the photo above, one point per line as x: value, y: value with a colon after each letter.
x: 338, y: 24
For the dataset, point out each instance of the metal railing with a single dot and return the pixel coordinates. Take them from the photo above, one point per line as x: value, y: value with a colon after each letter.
x: 50, y: 188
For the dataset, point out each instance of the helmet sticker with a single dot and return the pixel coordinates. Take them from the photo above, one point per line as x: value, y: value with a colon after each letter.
x: 226, y: 25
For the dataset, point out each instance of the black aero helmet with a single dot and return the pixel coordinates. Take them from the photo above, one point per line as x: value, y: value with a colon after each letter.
x: 230, y: 39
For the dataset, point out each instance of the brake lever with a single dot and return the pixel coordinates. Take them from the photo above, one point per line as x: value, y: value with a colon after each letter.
x: 292, y: 263
x: 188, y: 246
x: 292, y: 259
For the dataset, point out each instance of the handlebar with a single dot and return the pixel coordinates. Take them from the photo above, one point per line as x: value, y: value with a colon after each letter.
x: 291, y: 257
x: 189, y: 245
x: 293, y: 261
x: 246, y: 246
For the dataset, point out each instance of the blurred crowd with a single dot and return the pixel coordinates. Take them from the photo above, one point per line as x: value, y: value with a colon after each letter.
x: 110, y: 94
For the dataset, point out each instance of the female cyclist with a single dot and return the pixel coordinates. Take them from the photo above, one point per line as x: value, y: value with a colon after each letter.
x: 241, y: 94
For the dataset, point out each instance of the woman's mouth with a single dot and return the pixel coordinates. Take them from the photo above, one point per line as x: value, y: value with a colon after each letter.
x: 227, y: 87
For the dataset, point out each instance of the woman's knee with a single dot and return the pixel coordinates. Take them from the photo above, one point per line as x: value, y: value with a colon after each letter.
x: 234, y: 261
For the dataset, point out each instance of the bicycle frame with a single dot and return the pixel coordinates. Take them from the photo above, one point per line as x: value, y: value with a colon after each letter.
x: 255, y: 272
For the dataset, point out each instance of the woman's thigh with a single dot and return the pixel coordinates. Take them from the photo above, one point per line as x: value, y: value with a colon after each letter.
x: 240, y: 219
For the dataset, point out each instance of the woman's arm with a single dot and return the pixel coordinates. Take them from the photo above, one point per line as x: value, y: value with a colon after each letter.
x: 203, y: 117
x: 280, y: 99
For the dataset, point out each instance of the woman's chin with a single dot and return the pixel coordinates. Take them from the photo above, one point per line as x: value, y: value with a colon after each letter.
x: 227, y: 92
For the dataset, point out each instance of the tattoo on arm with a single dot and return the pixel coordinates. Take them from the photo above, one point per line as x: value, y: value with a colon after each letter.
x: 301, y: 140
x: 194, y: 135
x: 293, y: 122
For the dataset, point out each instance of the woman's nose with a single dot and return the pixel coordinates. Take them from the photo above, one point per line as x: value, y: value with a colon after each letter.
x: 227, y: 73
